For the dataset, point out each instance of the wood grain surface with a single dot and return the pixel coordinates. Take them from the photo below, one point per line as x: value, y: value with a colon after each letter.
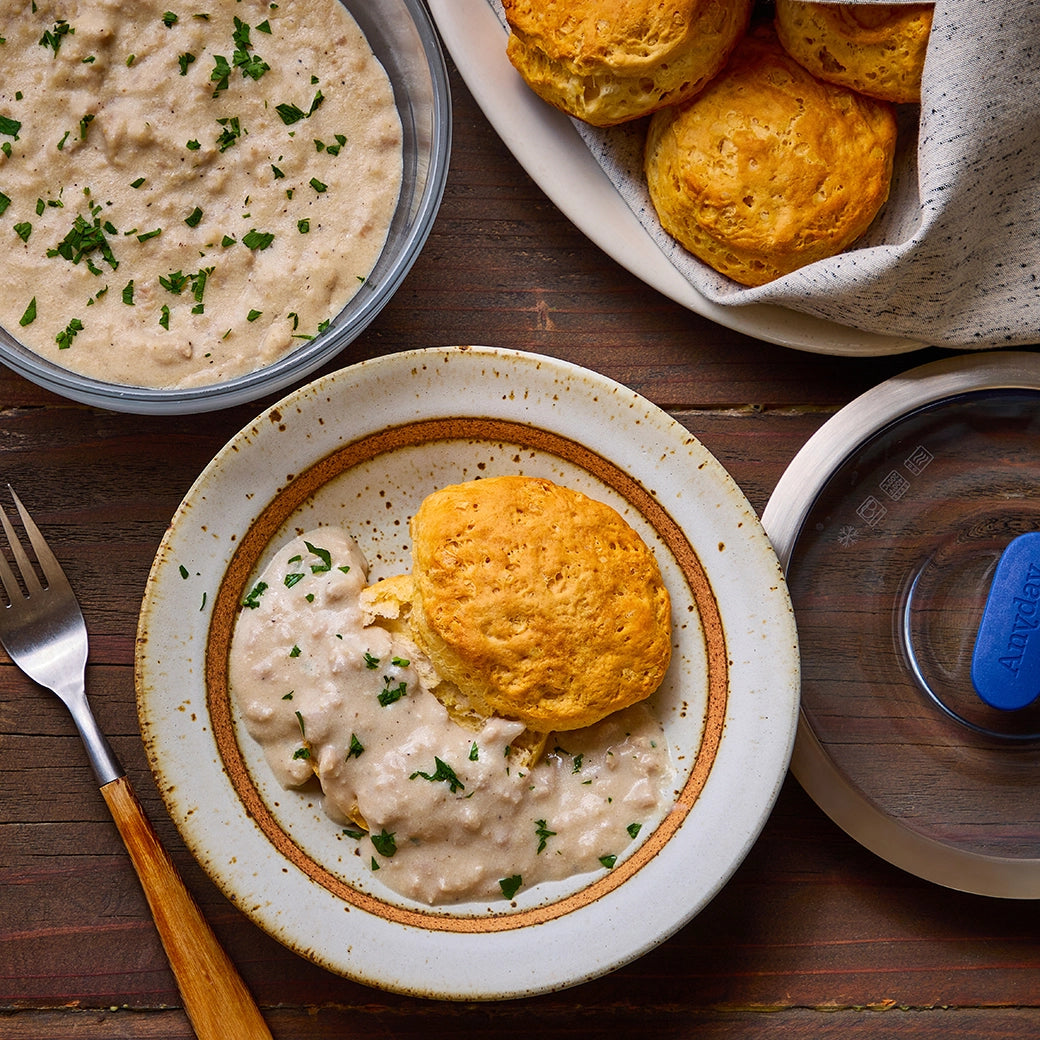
x: 813, y: 937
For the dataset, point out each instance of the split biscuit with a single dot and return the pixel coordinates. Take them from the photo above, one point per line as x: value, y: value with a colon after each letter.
x: 769, y: 168
x: 877, y: 49
x: 537, y: 603
x: 610, y: 61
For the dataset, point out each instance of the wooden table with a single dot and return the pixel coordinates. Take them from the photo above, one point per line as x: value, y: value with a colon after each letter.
x: 813, y: 937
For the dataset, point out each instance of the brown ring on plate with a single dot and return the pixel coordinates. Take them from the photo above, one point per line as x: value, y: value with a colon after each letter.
x: 297, y: 491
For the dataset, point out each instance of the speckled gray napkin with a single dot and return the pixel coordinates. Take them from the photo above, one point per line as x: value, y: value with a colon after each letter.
x: 954, y: 257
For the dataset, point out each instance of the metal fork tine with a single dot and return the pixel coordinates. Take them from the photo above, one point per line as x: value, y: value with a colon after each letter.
x: 52, y: 570
x: 10, y: 582
x: 32, y: 582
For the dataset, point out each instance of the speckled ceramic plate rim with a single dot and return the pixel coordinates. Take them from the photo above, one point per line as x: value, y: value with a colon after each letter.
x: 542, y: 951
x: 552, y: 152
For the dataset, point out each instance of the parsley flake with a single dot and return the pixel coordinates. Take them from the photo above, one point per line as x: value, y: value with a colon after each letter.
x: 543, y: 833
x: 68, y: 334
x: 510, y: 885
x: 442, y: 771
x: 257, y: 239
x: 384, y: 843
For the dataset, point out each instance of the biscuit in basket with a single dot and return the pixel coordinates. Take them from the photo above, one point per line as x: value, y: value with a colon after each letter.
x: 769, y: 169
x: 877, y: 49
x: 609, y: 61
x: 536, y: 603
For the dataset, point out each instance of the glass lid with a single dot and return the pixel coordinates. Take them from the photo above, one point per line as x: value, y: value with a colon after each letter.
x: 909, y: 529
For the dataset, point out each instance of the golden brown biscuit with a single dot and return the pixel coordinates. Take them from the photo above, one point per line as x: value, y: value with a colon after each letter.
x: 538, y: 603
x: 388, y: 603
x: 877, y: 49
x: 769, y: 168
x: 608, y: 61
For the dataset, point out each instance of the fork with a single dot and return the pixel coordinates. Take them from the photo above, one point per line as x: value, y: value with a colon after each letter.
x: 43, y: 632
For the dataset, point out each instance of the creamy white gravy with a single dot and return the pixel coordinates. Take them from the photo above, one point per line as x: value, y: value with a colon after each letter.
x: 220, y: 220
x: 452, y: 814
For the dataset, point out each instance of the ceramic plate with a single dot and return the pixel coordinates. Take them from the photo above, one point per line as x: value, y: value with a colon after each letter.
x: 362, y: 447
x: 547, y: 145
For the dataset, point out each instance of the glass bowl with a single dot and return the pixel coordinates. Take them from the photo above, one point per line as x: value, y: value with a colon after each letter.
x: 891, y: 524
x: 402, y: 37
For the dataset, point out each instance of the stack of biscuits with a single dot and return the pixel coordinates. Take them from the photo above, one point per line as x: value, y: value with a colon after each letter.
x: 770, y: 136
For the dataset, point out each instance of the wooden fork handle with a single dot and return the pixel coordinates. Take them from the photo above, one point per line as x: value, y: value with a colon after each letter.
x: 215, y: 997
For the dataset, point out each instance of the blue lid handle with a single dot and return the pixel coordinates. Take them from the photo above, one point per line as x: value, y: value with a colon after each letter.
x: 1005, y: 667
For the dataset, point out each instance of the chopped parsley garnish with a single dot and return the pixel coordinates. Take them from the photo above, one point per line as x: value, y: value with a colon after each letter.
x: 295, y: 652
x: 292, y: 578
x: 253, y: 315
x: 145, y: 235
x: 608, y: 861
x: 290, y: 113
x: 253, y: 599
x: 371, y: 661
x: 633, y: 829
x: 324, y: 555
x: 84, y: 239
x: 543, y: 833
x: 257, y: 239
x: 193, y: 146
x: 230, y: 134
x: 510, y: 885
x: 318, y: 186
x: 5, y: 201
x: 128, y: 293
x: 299, y: 720
x: 277, y: 173
x: 252, y: 65
x: 357, y: 749
x: 164, y: 316
x: 220, y: 74
x: 9, y: 126
x: 137, y: 183
x: 84, y: 123
x: 30, y: 314
x: 474, y: 752
x: 23, y: 230
x: 174, y: 282
x: 442, y: 771
x: 264, y: 27
x: 391, y: 694
x: 68, y: 334
x: 52, y: 37
x: 303, y: 226
x: 169, y: 19
x: 194, y: 217
x: 384, y: 843
x: 184, y: 61
x: 303, y: 752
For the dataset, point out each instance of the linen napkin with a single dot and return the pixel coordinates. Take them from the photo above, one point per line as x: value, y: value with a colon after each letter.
x: 953, y: 259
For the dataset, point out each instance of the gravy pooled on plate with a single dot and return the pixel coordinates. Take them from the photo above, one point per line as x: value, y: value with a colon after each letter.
x: 453, y: 813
